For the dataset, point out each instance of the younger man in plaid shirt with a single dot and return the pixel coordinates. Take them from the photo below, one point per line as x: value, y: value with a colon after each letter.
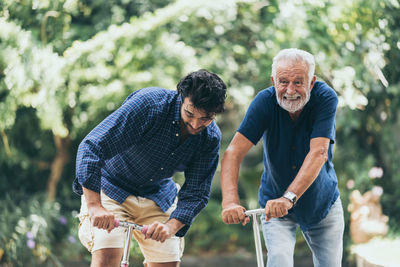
x: 125, y: 166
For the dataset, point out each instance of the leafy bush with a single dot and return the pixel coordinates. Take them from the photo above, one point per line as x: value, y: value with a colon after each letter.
x: 33, y: 231
x: 209, y: 234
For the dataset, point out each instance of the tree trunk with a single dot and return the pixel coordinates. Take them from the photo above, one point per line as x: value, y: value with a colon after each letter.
x: 5, y: 142
x: 58, y: 164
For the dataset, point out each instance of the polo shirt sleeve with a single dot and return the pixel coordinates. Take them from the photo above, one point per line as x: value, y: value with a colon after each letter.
x: 324, y: 124
x: 113, y: 135
x: 195, y: 192
x: 257, y: 116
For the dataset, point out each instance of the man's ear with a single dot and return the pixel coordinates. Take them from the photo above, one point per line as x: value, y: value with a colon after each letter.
x: 313, y: 82
x: 273, y: 82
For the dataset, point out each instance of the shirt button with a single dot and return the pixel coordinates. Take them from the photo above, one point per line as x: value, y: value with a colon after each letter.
x: 151, y: 180
x: 294, y: 167
x: 177, y: 134
x: 173, y: 122
x: 162, y: 168
x: 172, y: 153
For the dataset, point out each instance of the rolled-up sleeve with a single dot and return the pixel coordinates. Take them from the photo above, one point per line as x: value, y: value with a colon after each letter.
x: 195, y: 192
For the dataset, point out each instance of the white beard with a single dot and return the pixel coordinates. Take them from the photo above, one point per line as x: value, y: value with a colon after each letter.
x: 293, y: 103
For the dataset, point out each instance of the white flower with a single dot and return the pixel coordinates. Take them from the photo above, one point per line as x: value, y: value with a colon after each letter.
x: 375, y: 172
x: 377, y: 191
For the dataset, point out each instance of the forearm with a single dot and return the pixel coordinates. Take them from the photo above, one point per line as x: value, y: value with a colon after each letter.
x: 230, y: 165
x: 232, y: 211
x: 92, y: 198
x: 100, y: 217
x: 308, y: 172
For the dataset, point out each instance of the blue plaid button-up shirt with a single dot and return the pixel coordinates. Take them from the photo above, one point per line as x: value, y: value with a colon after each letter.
x: 136, y: 151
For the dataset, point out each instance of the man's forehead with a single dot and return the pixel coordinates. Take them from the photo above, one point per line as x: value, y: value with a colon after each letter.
x: 291, y: 64
x: 293, y: 69
x: 188, y: 106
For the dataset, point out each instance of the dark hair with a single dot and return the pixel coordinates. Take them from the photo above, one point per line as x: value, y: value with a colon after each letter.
x: 206, y: 90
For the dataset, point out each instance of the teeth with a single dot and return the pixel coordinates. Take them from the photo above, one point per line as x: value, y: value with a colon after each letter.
x: 295, y: 97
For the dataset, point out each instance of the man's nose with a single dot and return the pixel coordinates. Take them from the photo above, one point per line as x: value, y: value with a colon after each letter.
x: 291, y: 89
x: 195, y: 124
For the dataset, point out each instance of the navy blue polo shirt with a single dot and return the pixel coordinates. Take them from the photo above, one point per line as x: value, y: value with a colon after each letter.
x: 286, y: 144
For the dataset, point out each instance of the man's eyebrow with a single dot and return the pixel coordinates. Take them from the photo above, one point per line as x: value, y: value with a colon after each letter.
x: 209, y: 116
x: 188, y: 111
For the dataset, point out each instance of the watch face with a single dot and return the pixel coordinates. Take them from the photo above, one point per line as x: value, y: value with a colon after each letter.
x: 291, y: 196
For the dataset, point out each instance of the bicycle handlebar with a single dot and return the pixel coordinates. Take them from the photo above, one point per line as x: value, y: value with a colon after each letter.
x: 256, y: 211
x: 118, y: 223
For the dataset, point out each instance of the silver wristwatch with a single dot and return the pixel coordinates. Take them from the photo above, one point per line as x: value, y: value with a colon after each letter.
x: 291, y: 196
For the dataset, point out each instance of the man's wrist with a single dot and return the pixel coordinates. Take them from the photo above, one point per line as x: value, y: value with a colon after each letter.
x: 289, y: 202
x: 229, y: 203
x: 175, y: 225
x: 292, y: 197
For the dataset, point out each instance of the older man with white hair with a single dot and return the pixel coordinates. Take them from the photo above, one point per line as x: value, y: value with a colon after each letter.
x: 296, y: 119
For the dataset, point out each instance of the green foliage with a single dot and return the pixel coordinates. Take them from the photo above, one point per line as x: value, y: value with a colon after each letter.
x: 210, y: 235
x: 105, y: 69
x: 60, y: 22
x: 27, y: 168
x: 367, y: 138
x: 33, y: 231
x: 27, y: 79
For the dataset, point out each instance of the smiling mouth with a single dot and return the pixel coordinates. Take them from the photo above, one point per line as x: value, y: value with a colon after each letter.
x: 195, y: 130
x: 292, y: 97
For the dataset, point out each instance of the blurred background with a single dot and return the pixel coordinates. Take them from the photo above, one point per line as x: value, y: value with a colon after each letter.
x: 66, y: 64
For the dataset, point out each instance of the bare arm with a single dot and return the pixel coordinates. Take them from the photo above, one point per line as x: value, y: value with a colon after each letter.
x: 315, y: 159
x: 100, y: 217
x: 232, y: 212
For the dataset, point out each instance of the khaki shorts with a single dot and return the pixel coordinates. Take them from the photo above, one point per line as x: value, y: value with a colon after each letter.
x: 134, y: 209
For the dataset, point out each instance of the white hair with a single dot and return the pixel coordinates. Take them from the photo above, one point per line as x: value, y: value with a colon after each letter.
x: 295, y: 55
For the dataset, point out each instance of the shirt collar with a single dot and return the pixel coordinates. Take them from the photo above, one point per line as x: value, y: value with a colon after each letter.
x: 177, y: 115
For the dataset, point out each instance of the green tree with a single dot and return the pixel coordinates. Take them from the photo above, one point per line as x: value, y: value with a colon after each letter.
x: 60, y: 22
